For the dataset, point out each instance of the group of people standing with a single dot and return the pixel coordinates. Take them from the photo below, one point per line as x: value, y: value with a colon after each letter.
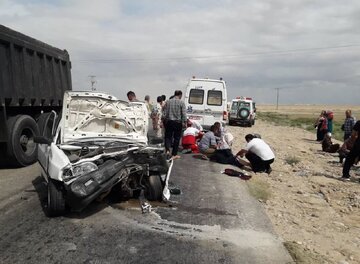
x: 350, y: 149
x: 168, y: 119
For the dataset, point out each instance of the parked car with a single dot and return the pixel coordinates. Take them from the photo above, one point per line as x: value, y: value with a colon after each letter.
x: 206, y: 101
x: 99, y: 143
x: 242, y: 111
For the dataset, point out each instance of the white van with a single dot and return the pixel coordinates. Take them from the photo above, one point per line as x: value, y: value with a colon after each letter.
x: 206, y: 101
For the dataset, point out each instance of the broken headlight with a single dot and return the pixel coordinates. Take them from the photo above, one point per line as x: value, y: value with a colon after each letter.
x: 84, y: 168
x: 78, y: 170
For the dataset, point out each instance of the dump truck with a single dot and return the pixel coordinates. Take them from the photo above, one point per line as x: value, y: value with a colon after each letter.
x: 33, y: 79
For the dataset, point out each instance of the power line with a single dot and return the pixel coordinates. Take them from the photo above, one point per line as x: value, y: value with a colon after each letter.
x: 187, y: 58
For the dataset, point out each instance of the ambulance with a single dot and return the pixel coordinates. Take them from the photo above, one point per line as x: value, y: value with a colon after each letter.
x: 206, y: 101
x: 242, y: 111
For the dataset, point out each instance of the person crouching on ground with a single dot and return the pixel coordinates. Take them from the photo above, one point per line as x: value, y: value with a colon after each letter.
x: 208, y: 144
x: 258, y: 153
x: 346, y: 148
x: 327, y: 144
x: 190, y: 135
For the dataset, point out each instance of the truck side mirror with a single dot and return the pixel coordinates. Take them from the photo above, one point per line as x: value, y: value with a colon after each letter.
x: 42, y: 140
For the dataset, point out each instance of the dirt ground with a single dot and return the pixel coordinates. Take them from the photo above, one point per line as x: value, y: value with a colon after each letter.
x: 316, y: 213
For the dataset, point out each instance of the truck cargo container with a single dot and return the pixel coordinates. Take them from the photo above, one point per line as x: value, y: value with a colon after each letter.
x: 33, y: 78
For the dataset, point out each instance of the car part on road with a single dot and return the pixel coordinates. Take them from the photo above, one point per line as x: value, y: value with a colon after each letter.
x: 175, y: 190
x: 145, y: 207
x: 235, y: 173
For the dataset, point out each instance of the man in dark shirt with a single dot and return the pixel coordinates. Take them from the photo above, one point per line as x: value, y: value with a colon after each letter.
x: 175, y: 120
x: 348, y: 124
x: 354, y: 153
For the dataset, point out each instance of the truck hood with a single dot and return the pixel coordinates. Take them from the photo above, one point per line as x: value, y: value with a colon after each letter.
x: 99, y: 116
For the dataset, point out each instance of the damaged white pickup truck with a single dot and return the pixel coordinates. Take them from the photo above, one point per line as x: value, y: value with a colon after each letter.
x: 99, y: 144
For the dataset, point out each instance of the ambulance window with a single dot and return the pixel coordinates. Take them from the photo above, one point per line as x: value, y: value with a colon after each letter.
x: 214, y: 97
x: 196, y: 96
x: 234, y: 106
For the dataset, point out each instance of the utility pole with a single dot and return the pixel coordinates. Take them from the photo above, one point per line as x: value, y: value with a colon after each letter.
x: 277, y: 98
x: 92, y: 81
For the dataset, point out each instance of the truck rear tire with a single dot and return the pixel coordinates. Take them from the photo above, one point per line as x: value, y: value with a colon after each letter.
x: 21, y: 148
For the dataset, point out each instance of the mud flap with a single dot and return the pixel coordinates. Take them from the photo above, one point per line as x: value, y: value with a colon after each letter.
x: 166, y: 191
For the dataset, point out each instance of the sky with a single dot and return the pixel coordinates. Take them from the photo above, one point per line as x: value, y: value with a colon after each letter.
x: 309, y: 50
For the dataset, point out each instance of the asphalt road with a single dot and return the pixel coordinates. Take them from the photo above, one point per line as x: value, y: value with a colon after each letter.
x: 213, y: 220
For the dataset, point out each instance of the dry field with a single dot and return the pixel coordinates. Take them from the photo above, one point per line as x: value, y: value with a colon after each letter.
x: 310, y: 110
x: 316, y: 213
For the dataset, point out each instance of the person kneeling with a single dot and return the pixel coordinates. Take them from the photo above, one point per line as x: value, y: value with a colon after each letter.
x: 188, y: 141
x: 208, y: 143
x: 258, y: 153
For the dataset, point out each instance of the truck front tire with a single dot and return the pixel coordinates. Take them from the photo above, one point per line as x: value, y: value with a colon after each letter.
x: 21, y: 148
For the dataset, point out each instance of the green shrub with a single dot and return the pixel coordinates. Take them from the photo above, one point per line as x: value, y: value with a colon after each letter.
x: 292, y: 160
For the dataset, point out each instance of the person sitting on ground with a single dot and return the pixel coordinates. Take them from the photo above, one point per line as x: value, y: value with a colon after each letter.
x: 208, y: 144
x: 258, y: 153
x: 327, y: 144
x: 189, y: 138
x: 346, y: 147
x: 224, y: 138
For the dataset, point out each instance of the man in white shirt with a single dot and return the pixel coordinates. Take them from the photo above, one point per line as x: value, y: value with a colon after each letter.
x: 258, y: 153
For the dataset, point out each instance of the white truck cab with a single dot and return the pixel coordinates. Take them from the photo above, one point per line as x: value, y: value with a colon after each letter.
x: 206, y: 101
x: 242, y: 111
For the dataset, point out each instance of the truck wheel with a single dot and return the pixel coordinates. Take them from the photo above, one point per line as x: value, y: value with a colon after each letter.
x: 55, y: 200
x: 21, y: 147
x: 154, y: 189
